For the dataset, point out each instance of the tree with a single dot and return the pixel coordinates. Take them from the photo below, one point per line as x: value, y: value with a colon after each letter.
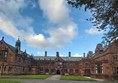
x: 104, y: 16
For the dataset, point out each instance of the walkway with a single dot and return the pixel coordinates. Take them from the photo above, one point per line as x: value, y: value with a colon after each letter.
x: 54, y: 77
x: 58, y: 81
x: 96, y: 79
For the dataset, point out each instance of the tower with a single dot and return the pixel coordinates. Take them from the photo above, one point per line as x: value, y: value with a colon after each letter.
x: 18, y: 45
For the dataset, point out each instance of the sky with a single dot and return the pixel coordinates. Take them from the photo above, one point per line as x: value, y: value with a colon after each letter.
x: 48, y: 25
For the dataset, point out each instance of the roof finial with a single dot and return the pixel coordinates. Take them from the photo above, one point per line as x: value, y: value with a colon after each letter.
x: 3, y: 38
x: 18, y: 37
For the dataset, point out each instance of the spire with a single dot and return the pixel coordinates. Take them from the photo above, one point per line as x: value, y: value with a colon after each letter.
x: 18, y: 45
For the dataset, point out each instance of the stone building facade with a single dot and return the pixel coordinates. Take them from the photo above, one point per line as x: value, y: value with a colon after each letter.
x: 103, y: 63
x: 58, y: 65
x: 13, y: 60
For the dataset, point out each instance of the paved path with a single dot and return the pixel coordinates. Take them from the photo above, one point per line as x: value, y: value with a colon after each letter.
x: 57, y: 81
x: 54, y: 77
x: 96, y: 79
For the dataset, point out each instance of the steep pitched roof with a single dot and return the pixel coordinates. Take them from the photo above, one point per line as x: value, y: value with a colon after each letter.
x: 10, y: 46
x: 13, y: 49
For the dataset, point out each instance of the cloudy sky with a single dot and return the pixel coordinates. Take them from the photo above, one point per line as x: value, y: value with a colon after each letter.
x: 47, y: 25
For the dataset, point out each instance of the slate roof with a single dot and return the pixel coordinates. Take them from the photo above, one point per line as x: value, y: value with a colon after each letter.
x: 14, y: 49
x: 53, y: 58
x: 45, y: 58
x: 11, y: 47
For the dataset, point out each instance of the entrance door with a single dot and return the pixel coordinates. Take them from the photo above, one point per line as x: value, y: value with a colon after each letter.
x: 87, y: 72
x: 58, y: 71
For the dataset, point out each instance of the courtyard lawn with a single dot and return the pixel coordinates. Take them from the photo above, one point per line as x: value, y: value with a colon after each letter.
x: 76, y: 78
x: 9, y: 81
x: 24, y: 76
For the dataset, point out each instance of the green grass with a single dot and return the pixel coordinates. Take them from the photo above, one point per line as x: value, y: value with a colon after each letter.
x: 76, y: 78
x: 9, y: 81
x: 24, y: 76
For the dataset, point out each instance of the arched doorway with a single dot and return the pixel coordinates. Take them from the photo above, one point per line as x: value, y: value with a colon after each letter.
x: 87, y: 72
x: 58, y: 72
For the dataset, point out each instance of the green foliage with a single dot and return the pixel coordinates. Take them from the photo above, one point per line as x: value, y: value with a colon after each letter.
x: 9, y: 81
x: 24, y: 76
x: 79, y: 78
x: 104, y: 16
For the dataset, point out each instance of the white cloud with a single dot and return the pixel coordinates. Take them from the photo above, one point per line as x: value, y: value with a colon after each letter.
x: 11, y: 19
x: 93, y: 31
x: 39, y: 53
x: 77, y: 55
x: 61, y: 35
x: 10, y: 10
x: 55, y: 10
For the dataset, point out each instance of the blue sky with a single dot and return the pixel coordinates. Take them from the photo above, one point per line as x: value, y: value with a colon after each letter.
x: 48, y: 25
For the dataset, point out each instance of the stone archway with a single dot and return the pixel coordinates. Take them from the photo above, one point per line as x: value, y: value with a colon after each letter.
x: 58, y: 72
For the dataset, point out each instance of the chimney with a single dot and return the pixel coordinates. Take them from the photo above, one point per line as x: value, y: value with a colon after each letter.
x: 25, y: 51
x: 69, y: 54
x: 57, y: 54
x: 83, y: 55
x: 45, y: 53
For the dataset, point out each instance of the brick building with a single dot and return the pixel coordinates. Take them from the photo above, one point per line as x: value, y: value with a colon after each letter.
x: 58, y: 65
x: 101, y: 64
x: 105, y: 61
x: 13, y: 60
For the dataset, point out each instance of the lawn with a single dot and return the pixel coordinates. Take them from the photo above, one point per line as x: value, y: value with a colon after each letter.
x: 76, y: 78
x: 9, y: 81
x: 24, y: 76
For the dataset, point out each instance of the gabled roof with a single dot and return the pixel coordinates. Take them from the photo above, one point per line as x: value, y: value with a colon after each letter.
x: 12, y: 48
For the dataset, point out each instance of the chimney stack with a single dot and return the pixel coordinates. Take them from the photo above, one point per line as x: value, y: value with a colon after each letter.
x: 69, y: 54
x: 57, y: 54
x: 45, y: 53
x: 83, y: 55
